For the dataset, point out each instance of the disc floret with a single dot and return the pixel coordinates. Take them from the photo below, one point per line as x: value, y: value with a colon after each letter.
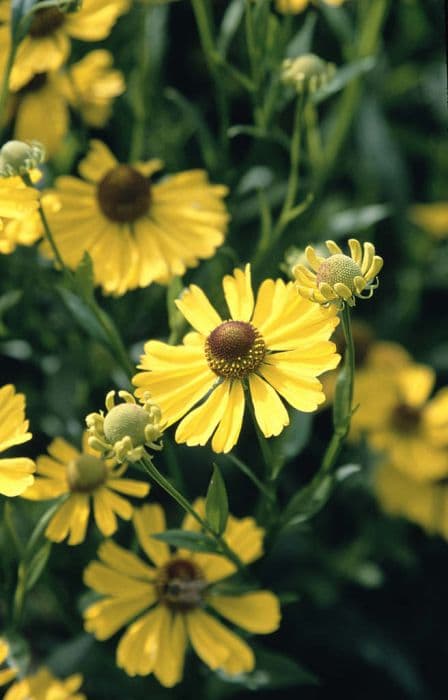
x: 181, y: 584
x: 126, y: 428
x: 339, y: 278
x: 86, y: 473
x: 234, y: 349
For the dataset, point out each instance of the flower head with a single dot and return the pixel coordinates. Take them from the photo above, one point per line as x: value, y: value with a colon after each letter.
x: 20, y: 157
x: 42, y: 685
x: 85, y: 478
x: 47, y: 44
x: 276, y: 345
x: 171, y: 600
x: 307, y: 73
x: 16, y: 473
x: 127, y: 428
x: 400, y: 419
x: 136, y: 231
x: 339, y: 278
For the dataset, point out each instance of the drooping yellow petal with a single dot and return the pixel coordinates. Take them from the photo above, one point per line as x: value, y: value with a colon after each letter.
x: 130, y: 487
x: 124, y: 561
x: 104, y: 618
x: 149, y: 520
x: 169, y: 664
x: 228, y: 431
x: 415, y: 384
x: 98, y: 162
x: 198, y: 425
x: 216, y: 645
x: 257, y: 612
x: 270, y: 413
x: 304, y: 394
x: 239, y: 295
x: 196, y: 308
x: 16, y: 475
x: 105, y: 580
x: 138, y: 648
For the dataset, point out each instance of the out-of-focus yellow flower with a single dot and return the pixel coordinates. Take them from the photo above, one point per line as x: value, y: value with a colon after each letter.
x: 168, y: 602
x: 88, y: 86
x: 44, y: 686
x: 293, y: 7
x: 425, y: 504
x: 16, y: 473
x: 88, y: 481
x: 47, y: 45
x: 7, y: 672
x: 339, y: 278
x: 136, y: 232
x: 432, y: 218
x: 19, y: 220
x: 399, y: 419
x: 276, y: 345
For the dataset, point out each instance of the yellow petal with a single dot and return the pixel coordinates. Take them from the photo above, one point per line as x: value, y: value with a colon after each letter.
x: 305, y: 394
x: 198, y: 425
x: 415, y: 384
x: 98, y: 162
x: 138, y: 648
x: 257, y: 612
x: 270, y: 413
x: 103, y: 513
x: 16, y: 475
x: 239, y: 295
x: 216, y: 645
x: 104, y: 618
x: 130, y: 487
x: 124, y: 561
x: 228, y: 431
x: 103, y: 579
x: 172, y: 644
x: 198, y: 311
x: 79, y: 518
x: 149, y: 520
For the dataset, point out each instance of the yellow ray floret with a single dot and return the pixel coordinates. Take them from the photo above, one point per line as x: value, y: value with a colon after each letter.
x: 172, y: 601
x: 42, y: 685
x: 16, y: 473
x: 275, y: 346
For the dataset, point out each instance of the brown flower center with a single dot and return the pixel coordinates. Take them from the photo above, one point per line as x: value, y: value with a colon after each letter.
x: 406, y: 419
x: 234, y: 349
x: 181, y: 585
x: 338, y: 268
x: 124, y: 195
x: 46, y: 21
x: 86, y: 473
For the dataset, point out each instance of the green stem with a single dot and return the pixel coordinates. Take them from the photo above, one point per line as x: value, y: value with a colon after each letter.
x: 4, y: 90
x: 10, y: 525
x: 186, y: 505
x: 342, y: 409
x: 247, y: 471
x: 140, y: 92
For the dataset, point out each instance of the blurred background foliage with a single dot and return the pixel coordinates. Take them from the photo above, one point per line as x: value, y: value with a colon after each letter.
x: 365, y: 596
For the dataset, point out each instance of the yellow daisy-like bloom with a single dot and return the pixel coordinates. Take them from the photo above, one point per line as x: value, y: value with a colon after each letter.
x: 88, y: 86
x: 277, y: 345
x: 87, y: 480
x: 18, y: 203
x: 398, y: 417
x: 169, y: 601
x: 44, y: 686
x: 16, y: 473
x: 136, y: 232
x: 293, y: 7
x: 339, y: 278
x: 47, y: 45
x: 433, y: 218
x: 7, y: 673
x: 425, y: 504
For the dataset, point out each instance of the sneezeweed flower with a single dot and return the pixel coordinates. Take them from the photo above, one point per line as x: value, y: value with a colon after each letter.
x: 136, y: 232
x: 7, y: 672
x: 425, y: 504
x: 432, y: 218
x: 88, y: 87
x: 87, y: 481
x: 16, y: 473
x: 275, y: 346
x: 172, y: 600
x: 44, y: 686
x: 19, y: 220
x: 18, y: 158
x: 293, y: 7
x: 47, y: 44
x: 339, y: 278
x: 127, y: 429
x: 400, y: 420
x: 307, y: 73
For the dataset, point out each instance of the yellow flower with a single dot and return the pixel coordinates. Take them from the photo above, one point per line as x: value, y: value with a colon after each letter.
x: 136, y: 232
x: 88, y: 86
x: 47, y: 45
x: 19, y: 219
x: 423, y: 503
x: 16, y: 473
x: 433, y: 218
x: 85, y: 479
x: 279, y: 345
x: 293, y: 7
x: 44, y: 686
x: 7, y: 672
x: 339, y: 278
x: 169, y: 601
x: 399, y: 419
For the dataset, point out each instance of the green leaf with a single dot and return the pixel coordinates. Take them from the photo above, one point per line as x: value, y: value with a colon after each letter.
x: 302, y: 41
x: 216, y: 502
x: 343, y: 76
x: 195, y: 541
x: 308, y: 501
x: 229, y: 25
x: 291, y: 442
x: 341, y: 401
x: 83, y: 314
x: 37, y: 565
x: 272, y: 670
x: 192, y: 116
x: 83, y: 278
x: 19, y: 10
x: 355, y: 220
x: 176, y: 321
x: 8, y: 301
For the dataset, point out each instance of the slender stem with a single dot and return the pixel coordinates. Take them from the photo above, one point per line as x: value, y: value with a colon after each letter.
x: 9, y: 522
x: 140, y: 92
x: 247, y: 471
x: 293, y: 179
x: 4, y: 90
x: 186, y: 505
x: 342, y: 410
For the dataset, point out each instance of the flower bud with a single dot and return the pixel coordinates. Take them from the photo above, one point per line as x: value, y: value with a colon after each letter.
x: 19, y: 157
x: 307, y: 73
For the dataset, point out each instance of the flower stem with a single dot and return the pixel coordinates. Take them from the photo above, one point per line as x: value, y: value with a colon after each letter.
x: 4, y: 90
x: 247, y: 471
x: 171, y: 490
